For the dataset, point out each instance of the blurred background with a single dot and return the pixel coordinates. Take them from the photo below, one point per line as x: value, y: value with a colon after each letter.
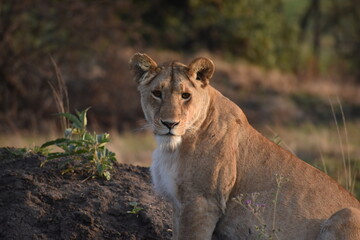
x: 292, y: 66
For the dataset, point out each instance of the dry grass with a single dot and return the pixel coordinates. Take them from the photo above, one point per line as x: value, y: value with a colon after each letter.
x: 132, y: 148
x: 331, y: 150
x: 60, y: 94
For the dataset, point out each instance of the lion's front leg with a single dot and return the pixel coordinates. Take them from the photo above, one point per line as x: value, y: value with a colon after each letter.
x: 197, y: 219
x: 175, y: 221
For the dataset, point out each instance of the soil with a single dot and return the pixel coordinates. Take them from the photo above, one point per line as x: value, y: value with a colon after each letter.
x: 41, y: 203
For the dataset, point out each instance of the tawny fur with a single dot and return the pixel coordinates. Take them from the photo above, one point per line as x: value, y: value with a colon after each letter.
x: 212, y: 155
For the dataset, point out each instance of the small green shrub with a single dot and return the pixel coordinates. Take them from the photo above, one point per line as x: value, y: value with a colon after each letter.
x: 82, y: 151
x: 135, y: 208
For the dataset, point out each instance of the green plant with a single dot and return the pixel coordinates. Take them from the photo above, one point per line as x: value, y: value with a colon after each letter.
x: 277, y: 140
x: 249, y: 202
x: 82, y: 151
x: 39, y: 150
x: 279, y: 181
x: 135, y: 208
x: 17, y: 152
x: 25, y: 152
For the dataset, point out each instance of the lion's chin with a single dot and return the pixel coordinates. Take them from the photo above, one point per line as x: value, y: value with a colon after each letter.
x: 168, y: 142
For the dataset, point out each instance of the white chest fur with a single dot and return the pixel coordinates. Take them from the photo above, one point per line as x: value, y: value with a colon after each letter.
x: 164, y: 170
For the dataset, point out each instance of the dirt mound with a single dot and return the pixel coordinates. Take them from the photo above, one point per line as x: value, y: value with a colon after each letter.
x: 40, y: 203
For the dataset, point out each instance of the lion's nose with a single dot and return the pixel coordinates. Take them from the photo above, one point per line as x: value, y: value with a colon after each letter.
x: 169, y: 125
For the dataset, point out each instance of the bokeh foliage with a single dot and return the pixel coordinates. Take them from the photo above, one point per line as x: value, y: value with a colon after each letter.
x: 86, y: 38
x: 256, y: 30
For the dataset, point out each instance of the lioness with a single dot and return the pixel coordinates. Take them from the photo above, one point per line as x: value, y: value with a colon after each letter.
x: 208, y: 155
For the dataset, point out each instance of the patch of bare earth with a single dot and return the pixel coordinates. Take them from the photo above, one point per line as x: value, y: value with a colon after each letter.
x: 40, y: 203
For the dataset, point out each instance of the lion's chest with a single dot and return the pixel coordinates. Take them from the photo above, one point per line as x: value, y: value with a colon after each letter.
x: 164, y: 170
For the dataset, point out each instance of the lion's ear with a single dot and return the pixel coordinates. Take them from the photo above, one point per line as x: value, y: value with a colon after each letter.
x: 140, y: 63
x: 203, y: 69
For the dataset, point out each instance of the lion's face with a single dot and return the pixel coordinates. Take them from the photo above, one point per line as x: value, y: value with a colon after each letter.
x: 173, y: 96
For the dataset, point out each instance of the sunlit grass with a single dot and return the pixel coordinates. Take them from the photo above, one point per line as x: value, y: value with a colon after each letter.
x: 27, y: 140
x: 130, y: 147
x: 324, y: 148
x: 133, y: 147
x: 316, y: 144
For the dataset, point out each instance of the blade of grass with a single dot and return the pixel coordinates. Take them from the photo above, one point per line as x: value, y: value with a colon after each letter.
x: 54, y: 142
x: 350, y: 178
x: 60, y: 94
x: 341, y: 146
x: 279, y: 139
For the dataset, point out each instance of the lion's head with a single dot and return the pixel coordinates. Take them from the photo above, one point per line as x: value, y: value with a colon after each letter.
x: 174, y: 96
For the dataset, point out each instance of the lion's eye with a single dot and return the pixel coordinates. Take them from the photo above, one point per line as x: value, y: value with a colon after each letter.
x: 186, y: 96
x: 156, y: 93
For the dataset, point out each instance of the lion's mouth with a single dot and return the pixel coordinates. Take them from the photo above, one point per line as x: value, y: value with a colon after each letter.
x: 169, y: 133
